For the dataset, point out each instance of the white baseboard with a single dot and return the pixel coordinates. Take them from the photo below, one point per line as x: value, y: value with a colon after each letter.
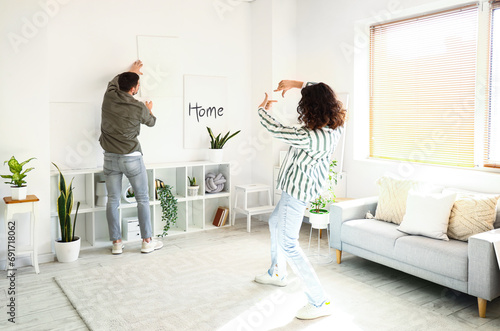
x: 25, y: 260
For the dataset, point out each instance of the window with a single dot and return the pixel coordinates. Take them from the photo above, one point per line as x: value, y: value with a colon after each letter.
x: 492, y: 133
x: 422, y: 88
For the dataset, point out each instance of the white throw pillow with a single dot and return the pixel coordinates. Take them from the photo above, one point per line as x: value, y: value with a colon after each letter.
x: 393, y: 193
x: 427, y: 214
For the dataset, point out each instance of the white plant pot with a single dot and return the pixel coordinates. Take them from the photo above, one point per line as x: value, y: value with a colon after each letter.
x: 67, y: 251
x: 193, y: 190
x: 18, y: 193
x: 319, y: 220
x: 216, y: 155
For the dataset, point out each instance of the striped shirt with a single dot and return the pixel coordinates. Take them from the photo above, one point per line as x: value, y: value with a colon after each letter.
x: 305, y: 168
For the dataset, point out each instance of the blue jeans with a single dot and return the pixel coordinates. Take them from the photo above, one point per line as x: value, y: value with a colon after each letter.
x: 115, y: 166
x: 284, y: 225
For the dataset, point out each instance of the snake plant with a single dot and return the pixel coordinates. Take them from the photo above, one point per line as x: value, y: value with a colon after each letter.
x: 64, y: 207
x: 218, y: 142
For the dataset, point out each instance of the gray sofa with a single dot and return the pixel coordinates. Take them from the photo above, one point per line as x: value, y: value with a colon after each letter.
x: 469, y: 267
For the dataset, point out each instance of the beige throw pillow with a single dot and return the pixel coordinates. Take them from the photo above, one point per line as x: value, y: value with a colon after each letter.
x: 393, y: 193
x: 472, y: 214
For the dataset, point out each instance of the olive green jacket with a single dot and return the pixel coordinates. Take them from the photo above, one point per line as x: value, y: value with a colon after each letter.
x: 121, y: 119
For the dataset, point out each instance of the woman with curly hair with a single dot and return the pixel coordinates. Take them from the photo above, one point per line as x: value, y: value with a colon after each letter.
x: 301, y: 178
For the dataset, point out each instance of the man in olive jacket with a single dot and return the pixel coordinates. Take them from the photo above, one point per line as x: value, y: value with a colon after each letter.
x: 122, y: 116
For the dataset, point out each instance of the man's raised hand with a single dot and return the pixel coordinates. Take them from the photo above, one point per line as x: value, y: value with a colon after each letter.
x: 136, y: 67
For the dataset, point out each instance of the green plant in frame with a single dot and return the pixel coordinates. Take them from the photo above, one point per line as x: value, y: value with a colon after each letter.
x: 219, y: 142
x: 64, y: 207
x: 16, y: 168
x: 168, y: 204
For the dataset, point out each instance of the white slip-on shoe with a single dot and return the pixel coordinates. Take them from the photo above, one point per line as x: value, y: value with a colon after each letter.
x: 267, y: 279
x: 310, y: 311
x: 148, y: 247
x: 117, y: 248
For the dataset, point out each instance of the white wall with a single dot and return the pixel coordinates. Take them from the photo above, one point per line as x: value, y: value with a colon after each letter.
x: 329, y: 42
x: 78, y: 46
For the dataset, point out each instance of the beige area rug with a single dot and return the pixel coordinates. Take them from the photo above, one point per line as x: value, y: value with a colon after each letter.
x: 200, y: 288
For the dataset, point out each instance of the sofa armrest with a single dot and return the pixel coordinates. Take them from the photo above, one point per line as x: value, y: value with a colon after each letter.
x: 348, y: 210
x: 484, y: 272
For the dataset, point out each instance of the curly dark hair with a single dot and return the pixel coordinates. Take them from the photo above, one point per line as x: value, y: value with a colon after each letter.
x: 319, y: 107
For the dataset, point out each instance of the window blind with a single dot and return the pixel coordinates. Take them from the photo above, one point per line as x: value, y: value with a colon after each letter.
x: 492, y: 128
x: 422, y: 84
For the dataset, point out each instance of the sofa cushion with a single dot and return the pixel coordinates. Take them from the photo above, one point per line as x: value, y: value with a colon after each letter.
x: 428, y: 214
x: 393, y: 193
x: 447, y: 258
x: 372, y: 235
x: 472, y: 214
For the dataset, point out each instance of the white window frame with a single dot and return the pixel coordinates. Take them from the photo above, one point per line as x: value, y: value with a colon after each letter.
x: 361, y: 92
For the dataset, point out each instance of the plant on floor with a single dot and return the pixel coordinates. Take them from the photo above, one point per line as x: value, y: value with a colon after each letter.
x: 218, y: 142
x: 328, y: 196
x: 18, y: 175
x: 64, y: 207
x: 168, y: 203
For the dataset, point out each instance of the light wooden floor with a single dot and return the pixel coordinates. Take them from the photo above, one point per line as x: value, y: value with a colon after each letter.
x: 41, y: 305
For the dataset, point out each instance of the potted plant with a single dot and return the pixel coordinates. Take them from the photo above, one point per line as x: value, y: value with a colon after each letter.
x: 216, y: 143
x: 68, y: 246
x: 193, y: 187
x: 168, y: 203
x: 18, y: 189
x: 318, y: 214
x: 129, y: 194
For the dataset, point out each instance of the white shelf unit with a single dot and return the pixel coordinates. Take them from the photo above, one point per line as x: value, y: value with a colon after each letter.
x: 194, y: 213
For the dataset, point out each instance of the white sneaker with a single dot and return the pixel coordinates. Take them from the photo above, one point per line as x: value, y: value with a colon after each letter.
x: 148, y: 247
x: 117, y: 248
x: 310, y: 311
x: 267, y: 279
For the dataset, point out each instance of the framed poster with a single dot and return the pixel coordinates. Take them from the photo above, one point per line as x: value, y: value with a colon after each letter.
x: 205, y: 105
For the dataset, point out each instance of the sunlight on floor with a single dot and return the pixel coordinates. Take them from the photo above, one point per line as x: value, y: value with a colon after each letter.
x: 278, y: 309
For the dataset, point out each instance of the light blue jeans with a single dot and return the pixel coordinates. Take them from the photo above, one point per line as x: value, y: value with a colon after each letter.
x: 284, y: 225
x: 115, y: 166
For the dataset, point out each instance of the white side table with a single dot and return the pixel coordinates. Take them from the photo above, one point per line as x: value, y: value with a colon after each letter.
x: 249, y: 211
x: 28, y: 205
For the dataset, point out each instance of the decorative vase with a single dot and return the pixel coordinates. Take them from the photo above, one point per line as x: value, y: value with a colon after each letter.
x: 126, y: 194
x: 216, y: 155
x: 101, y: 193
x: 67, y: 251
x: 18, y: 192
x: 193, y: 190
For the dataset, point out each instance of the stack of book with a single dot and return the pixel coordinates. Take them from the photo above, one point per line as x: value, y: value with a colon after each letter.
x: 221, y: 216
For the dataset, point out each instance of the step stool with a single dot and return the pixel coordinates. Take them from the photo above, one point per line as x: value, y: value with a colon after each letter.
x: 250, y: 211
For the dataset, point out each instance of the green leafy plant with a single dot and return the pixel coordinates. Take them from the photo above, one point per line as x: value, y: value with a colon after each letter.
x: 130, y: 193
x: 192, y: 181
x: 16, y: 168
x: 168, y: 203
x: 219, y: 142
x: 328, y: 196
x: 64, y: 207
